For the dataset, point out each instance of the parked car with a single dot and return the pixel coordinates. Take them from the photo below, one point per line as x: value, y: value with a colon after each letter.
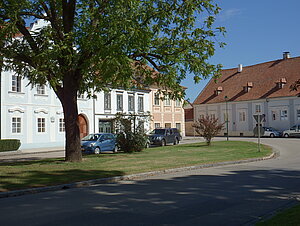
x: 99, y: 142
x: 164, y: 136
x: 271, y: 132
x: 294, y: 131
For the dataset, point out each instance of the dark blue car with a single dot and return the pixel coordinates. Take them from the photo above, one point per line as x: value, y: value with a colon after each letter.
x: 99, y: 142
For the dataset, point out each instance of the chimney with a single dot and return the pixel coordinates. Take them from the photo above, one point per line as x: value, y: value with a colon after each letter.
x: 240, y: 68
x: 218, y: 90
x: 286, y: 55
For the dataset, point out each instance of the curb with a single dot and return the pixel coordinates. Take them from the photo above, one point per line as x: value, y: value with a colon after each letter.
x: 87, y: 183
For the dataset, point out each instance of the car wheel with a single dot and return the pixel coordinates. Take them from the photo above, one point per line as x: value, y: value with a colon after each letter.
x: 97, y: 150
x: 115, y: 149
x: 176, y: 141
x: 272, y: 135
x: 286, y: 135
x: 147, y: 145
x: 163, y: 142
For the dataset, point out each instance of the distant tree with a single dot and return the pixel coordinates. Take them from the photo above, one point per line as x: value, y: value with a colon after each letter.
x: 208, y: 127
x: 92, y: 45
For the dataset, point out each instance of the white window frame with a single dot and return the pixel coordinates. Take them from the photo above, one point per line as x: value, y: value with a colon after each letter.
x: 61, y: 125
x: 141, y: 103
x: 298, y: 114
x: 258, y: 108
x: 131, y: 104
x: 107, y: 101
x: 41, y: 89
x: 156, y: 125
x: 242, y: 116
x: 177, y: 103
x: 41, y: 125
x: 156, y: 99
x: 16, y: 83
x: 16, y: 125
x: 167, y: 101
x: 283, y: 115
x: 119, y: 101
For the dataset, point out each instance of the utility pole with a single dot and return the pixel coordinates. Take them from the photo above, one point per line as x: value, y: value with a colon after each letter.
x: 227, y: 130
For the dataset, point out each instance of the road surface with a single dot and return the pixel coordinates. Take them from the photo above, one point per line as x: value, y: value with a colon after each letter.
x: 226, y: 195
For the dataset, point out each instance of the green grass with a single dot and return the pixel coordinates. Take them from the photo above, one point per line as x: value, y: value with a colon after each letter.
x: 289, y: 217
x: 39, y: 173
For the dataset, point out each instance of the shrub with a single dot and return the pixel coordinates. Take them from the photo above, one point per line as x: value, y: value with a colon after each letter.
x: 208, y: 127
x: 9, y: 144
x: 131, y: 136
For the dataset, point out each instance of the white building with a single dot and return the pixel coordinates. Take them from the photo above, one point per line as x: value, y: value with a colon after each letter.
x: 35, y: 116
x: 258, y: 89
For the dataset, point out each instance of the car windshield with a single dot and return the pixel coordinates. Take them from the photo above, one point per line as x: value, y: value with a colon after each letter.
x: 91, y: 137
x: 158, y: 131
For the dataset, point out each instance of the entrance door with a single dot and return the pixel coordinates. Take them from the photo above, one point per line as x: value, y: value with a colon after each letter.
x: 83, y: 126
x: 105, y: 126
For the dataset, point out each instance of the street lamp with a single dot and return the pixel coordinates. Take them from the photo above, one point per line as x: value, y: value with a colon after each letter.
x: 226, y: 101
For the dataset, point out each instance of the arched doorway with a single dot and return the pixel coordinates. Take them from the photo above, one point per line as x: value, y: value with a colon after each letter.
x: 83, y: 126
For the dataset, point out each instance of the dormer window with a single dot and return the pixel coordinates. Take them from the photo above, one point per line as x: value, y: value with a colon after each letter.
x: 218, y: 90
x: 248, y: 87
x: 281, y: 83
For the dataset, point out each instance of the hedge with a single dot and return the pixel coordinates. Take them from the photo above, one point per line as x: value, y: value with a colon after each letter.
x: 9, y: 144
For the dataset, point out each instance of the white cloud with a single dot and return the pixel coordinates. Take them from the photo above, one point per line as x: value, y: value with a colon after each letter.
x: 229, y: 13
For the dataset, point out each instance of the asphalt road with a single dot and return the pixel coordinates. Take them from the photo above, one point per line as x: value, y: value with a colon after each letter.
x: 227, y: 195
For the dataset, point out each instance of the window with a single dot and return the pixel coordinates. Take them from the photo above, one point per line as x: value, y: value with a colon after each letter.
x: 41, y: 89
x: 177, y: 103
x: 107, y: 101
x: 16, y: 125
x: 178, y: 126
x: 298, y: 114
x: 61, y: 125
x: 242, y: 116
x: 257, y: 108
x: 16, y: 83
x: 141, y: 103
x: 212, y: 116
x: 156, y: 125
x: 156, y: 99
x: 105, y: 126
x: 274, y: 115
x: 41, y: 125
x: 167, y: 100
x: 283, y: 115
x: 119, y: 102
x: 167, y: 125
x: 130, y: 103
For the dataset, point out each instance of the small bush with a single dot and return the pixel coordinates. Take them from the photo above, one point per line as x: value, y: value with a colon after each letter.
x: 208, y: 127
x: 9, y: 144
x: 131, y: 136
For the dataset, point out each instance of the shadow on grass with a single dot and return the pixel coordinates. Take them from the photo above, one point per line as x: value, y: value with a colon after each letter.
x: 36, y: 178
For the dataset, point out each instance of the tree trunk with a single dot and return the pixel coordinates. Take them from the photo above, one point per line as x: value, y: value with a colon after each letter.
x: 72, y: 132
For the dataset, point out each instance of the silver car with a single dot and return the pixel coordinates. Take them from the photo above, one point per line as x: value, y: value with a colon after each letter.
x: 292, y: 132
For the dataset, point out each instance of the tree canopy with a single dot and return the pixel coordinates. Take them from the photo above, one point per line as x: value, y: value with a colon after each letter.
x: 84, y: 46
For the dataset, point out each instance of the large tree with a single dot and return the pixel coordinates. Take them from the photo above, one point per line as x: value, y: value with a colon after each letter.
x: 87, y: 45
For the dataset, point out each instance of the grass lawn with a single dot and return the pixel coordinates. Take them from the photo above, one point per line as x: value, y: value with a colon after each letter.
x: 39, y: 173
x: 289, y: 217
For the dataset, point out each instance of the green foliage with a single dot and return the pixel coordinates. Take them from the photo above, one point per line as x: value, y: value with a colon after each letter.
x: 112, y: 40
x: 208, y: 127
x: 89, y: 46
x: 9, y: 144
x: 131, y: 136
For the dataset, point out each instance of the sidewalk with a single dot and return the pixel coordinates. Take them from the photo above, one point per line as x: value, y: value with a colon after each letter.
x: 31, y: 151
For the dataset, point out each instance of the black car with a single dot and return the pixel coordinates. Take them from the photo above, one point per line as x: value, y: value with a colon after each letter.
x: 164, y: 136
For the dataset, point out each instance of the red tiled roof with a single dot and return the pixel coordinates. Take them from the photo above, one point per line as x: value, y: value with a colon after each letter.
x: 263, y: 77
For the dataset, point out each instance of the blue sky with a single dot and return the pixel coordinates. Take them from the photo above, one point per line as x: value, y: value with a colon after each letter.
x: 257, y: 31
